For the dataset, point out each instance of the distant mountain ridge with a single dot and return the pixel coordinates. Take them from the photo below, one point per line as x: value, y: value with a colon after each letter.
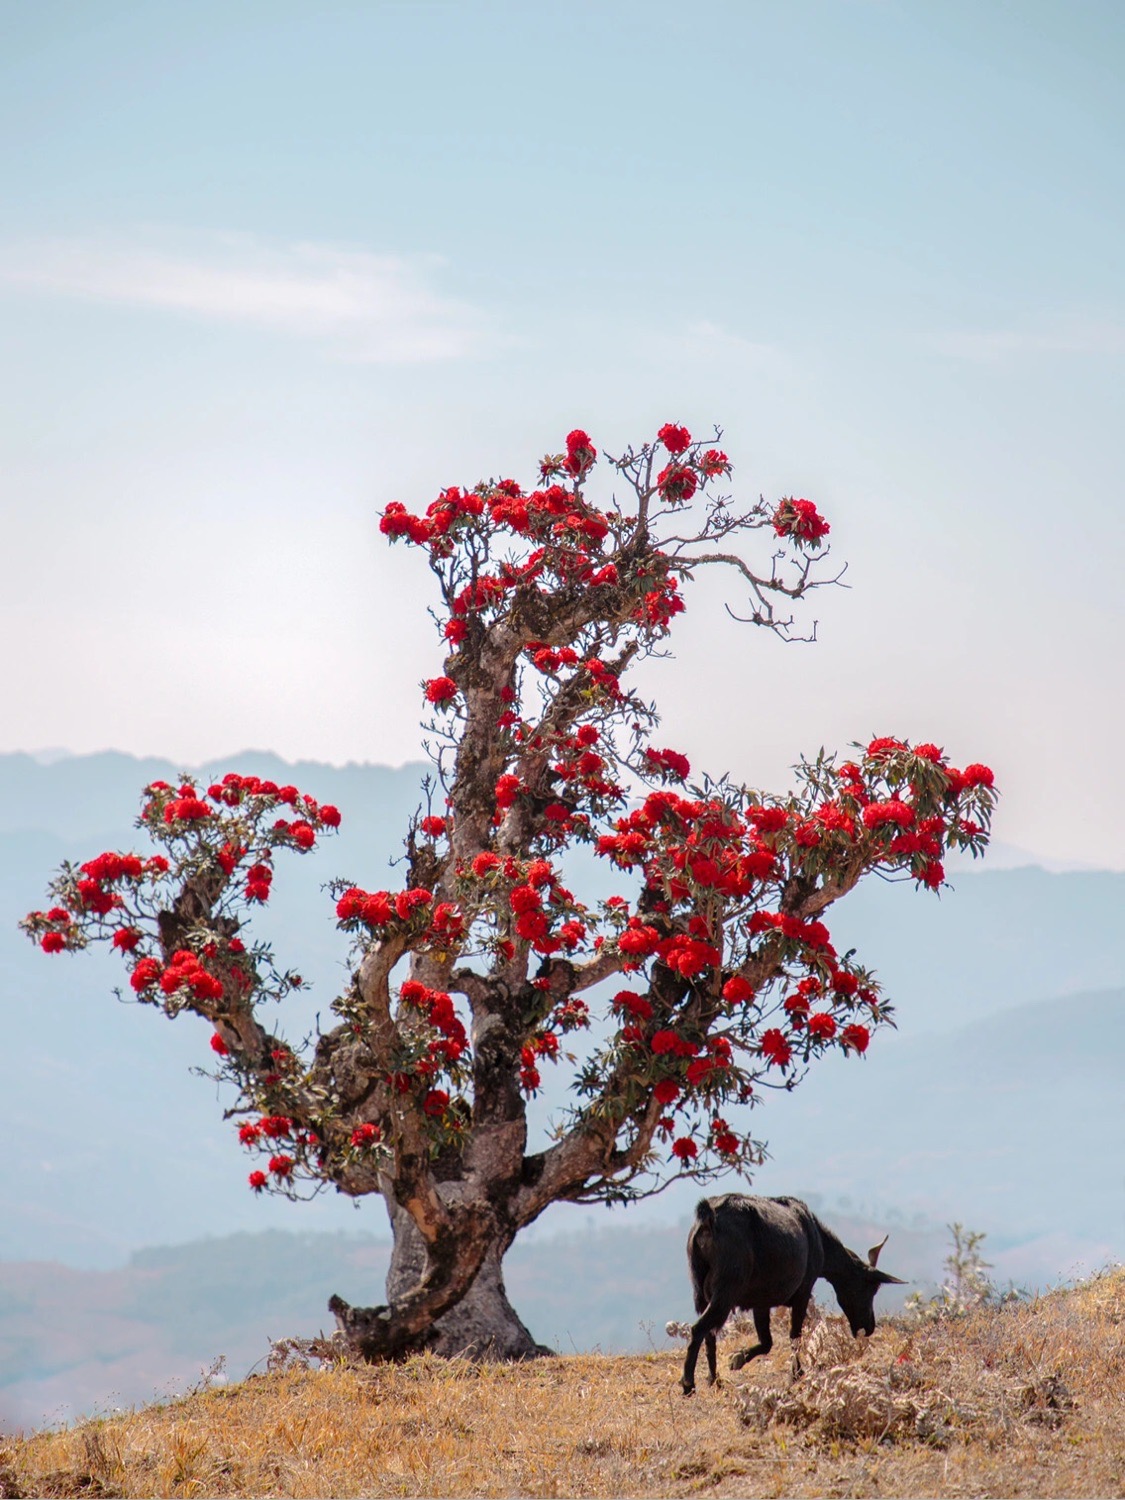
x: 72, y: 1341
x: 1008, y: 992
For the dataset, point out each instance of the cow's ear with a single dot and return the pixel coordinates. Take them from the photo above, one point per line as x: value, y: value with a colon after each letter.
x: 884, y: 1278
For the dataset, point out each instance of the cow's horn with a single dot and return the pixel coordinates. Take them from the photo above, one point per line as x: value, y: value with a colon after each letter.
x: 873, y: 1253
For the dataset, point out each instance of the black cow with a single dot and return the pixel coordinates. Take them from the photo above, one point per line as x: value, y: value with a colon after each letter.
x: 761, y: 1253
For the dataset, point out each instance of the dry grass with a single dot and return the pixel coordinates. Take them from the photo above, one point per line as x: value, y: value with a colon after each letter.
x: 1024, y: 1400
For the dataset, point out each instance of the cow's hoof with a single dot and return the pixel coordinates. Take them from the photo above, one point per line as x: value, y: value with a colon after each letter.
x: 688, y: 1390
x: 737, y: 1361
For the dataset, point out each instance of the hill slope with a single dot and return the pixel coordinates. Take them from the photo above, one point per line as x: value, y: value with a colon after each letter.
x: 1019, y: 1401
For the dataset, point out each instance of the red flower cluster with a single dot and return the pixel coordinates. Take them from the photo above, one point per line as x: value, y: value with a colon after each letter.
x: 452, y: 1041
x: 855, y: 1038
x: 668, y: 763
x: 738, y: 991
x: 188, y: 807
x: 675, y: 439
x: 145, y: 974
x: 184, y: 971
x: 380, y: 908
x: 677, y: 483
x: 800, y: 520
x: 366, y: 1135
x: 580, y: 453
x: 876, y: 814
x: 107, y: 868
x: 234, y: 790
x: 440, y: 691
x: 774, y: 1047
x: 436, y: 1103
x: 668, y: 1041
x: 812, y: 934
x: 258, y: 880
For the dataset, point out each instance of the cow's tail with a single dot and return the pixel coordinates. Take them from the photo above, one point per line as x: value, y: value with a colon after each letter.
x: 700, y: 1247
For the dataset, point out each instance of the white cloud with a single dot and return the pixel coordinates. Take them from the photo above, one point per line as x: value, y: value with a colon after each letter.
x: 365, y: 307
x: 985, y: 346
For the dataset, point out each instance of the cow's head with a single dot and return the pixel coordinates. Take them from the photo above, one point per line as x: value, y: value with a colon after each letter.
x: 856, y: 1293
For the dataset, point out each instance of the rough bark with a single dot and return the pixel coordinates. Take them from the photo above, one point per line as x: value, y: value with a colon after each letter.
x: 482, y: 1326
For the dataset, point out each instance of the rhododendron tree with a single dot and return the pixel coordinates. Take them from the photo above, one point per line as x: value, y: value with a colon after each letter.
x: 672, y: 1006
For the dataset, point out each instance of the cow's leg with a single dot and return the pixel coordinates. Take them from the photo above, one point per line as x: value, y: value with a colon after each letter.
x: 712, y: 1353
x: 702, y: 1298
x: 707, y: 1325
x: 798, y: 1312
x: 764, y: 1344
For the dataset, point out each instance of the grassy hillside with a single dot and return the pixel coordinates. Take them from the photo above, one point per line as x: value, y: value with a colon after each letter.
x: 1023, y: 1400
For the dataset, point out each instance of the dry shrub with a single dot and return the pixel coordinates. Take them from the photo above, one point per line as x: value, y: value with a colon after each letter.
x: 964, y: 1381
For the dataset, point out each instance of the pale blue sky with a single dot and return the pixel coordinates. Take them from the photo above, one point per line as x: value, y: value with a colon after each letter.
x: 265, y: 267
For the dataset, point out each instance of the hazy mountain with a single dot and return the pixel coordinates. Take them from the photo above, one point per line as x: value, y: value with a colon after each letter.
x: 75, y: 1341
x: 995, y: 1100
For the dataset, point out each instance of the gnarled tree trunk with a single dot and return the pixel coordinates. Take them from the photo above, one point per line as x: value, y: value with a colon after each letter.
x: 483, y: 1325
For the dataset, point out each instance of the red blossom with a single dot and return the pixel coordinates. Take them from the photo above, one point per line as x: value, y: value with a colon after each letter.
x: 257, y: 1180
x: 218, y: 1045
x: 881, y: 748
x: 822, y: 1026
x: 675, y: 439
x: 713, y: 462
x: 737, y: 990
x: 800, y: 520
x: 635, y: 1005
x: 855, y: 1038
x: 146, y: 973
x: 677, y: 483
x: 407, y: 902
x: 580, y: 453
x: 685, y: 1149
x: 775, y: 1048
x: 669, y: 763
x: 440, y: 691
x: 507, y: 790
x: 977, y: 775
x: 876, y: 814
